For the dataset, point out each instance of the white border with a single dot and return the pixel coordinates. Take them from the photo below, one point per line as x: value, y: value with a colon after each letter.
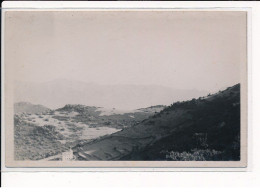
x: 132, y: 5
x: 188, y: 179
x: 122, y: 4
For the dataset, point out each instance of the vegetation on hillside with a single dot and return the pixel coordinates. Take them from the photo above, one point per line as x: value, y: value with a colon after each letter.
x: 210, y: 125
x: 45, y: 134
x: 34, y: 142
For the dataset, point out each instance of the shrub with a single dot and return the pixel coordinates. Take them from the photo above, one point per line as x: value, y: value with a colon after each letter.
x: 194, y: 155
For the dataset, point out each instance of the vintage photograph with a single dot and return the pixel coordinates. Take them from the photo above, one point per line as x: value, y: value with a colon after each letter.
x: 125, y: 86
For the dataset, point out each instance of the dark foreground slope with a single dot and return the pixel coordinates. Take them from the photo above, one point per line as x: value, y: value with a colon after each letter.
x: 202, y: 129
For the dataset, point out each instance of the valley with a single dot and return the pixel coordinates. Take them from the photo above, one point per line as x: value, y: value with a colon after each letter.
x: 206, y: 128
x: 69, y: 126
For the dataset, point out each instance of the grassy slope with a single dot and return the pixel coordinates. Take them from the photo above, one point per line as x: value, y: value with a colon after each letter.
x: 174, y: 129
x: 34, y: 142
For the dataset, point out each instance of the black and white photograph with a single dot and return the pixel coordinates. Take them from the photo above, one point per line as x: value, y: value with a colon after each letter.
x: 135, y: 88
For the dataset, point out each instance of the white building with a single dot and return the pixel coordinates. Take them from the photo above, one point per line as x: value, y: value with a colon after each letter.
x: 68, y: 155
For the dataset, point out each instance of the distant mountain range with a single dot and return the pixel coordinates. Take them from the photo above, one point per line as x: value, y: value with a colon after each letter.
x: 57, y: 93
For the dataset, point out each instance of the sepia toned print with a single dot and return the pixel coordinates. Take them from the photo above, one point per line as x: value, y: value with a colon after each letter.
x: 125, y: 88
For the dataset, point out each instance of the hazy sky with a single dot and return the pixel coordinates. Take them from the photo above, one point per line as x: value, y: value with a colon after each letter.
x: 188, y: 50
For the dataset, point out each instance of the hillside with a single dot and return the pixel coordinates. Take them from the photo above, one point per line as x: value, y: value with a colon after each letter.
x: 39, y: 135
x: 99, y: 116
x: 207, y: 128
x: 34, y: 142
x: 153, y: 109
x: 26, y: 107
